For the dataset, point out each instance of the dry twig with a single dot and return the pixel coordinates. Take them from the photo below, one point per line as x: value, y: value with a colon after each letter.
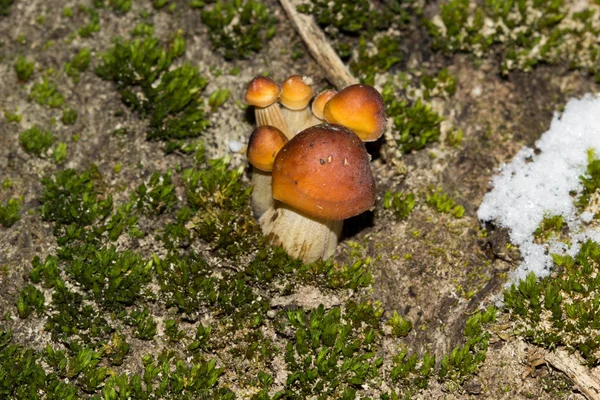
x: 319, y: 46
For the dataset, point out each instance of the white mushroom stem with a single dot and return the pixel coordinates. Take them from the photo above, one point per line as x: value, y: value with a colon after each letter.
x: 299, y: 120
x: 306, y: 238
x: 262, y: 198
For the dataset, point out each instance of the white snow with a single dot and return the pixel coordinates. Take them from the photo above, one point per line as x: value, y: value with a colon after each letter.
x: 533, y: 186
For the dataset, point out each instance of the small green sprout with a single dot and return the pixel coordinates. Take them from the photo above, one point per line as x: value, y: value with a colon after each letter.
x: 46, y: 93
x: 400, y: 203
x: 400, y: 326
x: 444, y: 203
x: 79, y: 63
x: 590, y: 181
x: 69, y: 116
x: 9, y: 213
x: 218, y: 98
x: 550, y: 225
x: 120, y: 6
x: 12, y: 116
x: 36, y: 141
x: 30, y: 299
x: 67, y: 12
x: 5, y: 7
x: 60, y: 153
x: 24, y: 68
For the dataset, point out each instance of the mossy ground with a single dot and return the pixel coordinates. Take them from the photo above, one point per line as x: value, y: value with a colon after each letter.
x: 134, y: 253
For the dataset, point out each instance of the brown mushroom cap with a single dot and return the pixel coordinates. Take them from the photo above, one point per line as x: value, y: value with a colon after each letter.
x: 295, y: 93
x: 319, y: 102
x: 263, y: 145
x: 360, y: 108
x: 324, y: 172
x: 262, y: 92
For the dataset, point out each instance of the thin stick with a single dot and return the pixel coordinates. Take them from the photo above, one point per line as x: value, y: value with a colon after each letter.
x: 586, y: 379
x: 319, y: 46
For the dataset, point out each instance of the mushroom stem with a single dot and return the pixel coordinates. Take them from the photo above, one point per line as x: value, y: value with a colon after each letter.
x: 299, y: 120
x: 262, y: 198
x: 271, y: 115
x: 304, y: 237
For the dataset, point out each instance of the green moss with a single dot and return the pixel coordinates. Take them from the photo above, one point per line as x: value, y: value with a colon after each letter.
x: 24, y: 68
x: 30, y: 299
x: 464, y: 360
x: 414, y: 125
x: 46, y: 93
x: 120, y: 6
x: 12, y: 117
x: 69, y: 116
x: 239, y: 28
x: 173, y: 106
x: 9, y: 213
x: 400, y: 203
x: 523, y: 34
x: 332, y: 353
x: 562, y: 309
x: 400, y: 326
x: 590, y: 181
x: 36, y: 141
x: 444, y: 203
x: 67, y: 12
x: 550, y: 226
x: 93, y: 25
x: 78, y: 64
x: 218, y: 98
x: 369, y: 62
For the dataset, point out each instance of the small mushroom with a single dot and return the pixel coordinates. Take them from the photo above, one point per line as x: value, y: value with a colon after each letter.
x: 320, y: 177
x: 360, y: 108
x: 319, y: 102
x: 295, y: 97
x: 263, y: 93
x: 263, y: 145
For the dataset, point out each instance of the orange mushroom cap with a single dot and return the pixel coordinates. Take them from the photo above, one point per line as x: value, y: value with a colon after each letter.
x: 360, y: 108
x: 263, y: 145
x: 324, y: 172
x: 320, y: 100
x: 295, y: 93
x: 262, y: 92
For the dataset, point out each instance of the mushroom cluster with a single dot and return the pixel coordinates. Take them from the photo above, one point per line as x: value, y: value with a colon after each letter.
x: 310, y: 167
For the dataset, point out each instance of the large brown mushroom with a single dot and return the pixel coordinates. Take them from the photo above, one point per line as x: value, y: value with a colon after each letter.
x: 320, y: 177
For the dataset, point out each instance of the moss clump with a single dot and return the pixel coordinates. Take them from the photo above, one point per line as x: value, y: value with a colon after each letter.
x: 30, y: 299
x: 36, y: 141
x: 550, y: 226
x: 463, y: 361
x: 69, y: 116
x: 415, y: 124
x: 562, y: 309
x: 24, y: 68
x: 444, y: 203
x: 78, y: 64
x: 400, y: 203
x: 46, y: 93
x: 333, y: 352
x: 9, y: 213
x: 524, y: 34
x: 590, y: 181
x: 239, y: 28
x: 169, y: 98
